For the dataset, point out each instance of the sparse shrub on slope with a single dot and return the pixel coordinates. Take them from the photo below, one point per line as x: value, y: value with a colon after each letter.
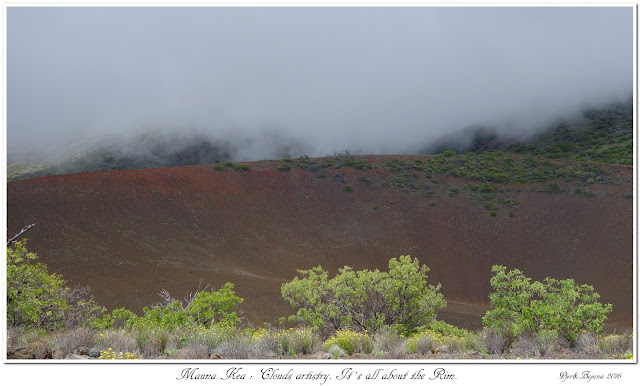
x: 365, y: 300
x: 551, y: 308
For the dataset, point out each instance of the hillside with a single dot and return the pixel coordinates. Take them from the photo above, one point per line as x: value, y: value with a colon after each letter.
x: 142, y: 151
x: 602, y: 134
x: 130, y: 234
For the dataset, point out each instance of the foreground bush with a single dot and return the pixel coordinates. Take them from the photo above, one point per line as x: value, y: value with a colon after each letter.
x: 202, y: 309
x: 546, y: 310
x: 39, y: 299
x: 365, y: 300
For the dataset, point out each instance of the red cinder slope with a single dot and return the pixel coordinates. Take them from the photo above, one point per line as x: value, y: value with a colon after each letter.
x: 130, y: 234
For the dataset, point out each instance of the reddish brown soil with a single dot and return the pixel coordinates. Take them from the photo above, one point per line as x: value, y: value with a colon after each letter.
x: 130, y: 234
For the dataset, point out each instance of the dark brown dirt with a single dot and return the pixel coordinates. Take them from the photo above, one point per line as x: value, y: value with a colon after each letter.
x: 130, y: 234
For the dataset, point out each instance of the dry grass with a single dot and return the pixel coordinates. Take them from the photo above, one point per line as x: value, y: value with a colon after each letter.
x: 389, y: 345
x: 424, y: 345
x: 234, y: 348
x: 201, y: 343
x: 69, y: 341
x: 497, y: 341
x: 193, y: 350
x: 119, y: 340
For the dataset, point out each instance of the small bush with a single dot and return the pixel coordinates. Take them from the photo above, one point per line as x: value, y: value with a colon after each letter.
x: 347, y: 188
x: 241, y: 168
x: 486, y: 188
x: 297, y: 341
x: 449, y: 153
x: 587, y: 343
x: 616, y: 344
x: 336, y: 351
x: 454, y: 344
x: 421, y: 343
x: 552, y: 188
x: 285, y: 165
x: 546, y: 341
x: 389, y: 344
x: 264, y: 343
x: 151, y: 343
x: 498, y: 339
x: 350, y: 342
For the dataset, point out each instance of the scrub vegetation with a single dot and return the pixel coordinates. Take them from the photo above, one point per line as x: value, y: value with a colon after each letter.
x: 355, y: 314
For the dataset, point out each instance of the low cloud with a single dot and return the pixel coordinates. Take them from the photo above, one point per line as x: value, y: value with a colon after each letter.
x: 321, y: 79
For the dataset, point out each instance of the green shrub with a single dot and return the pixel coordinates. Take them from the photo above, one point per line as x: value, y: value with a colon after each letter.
x: 529, y: 308
x: 205, y: 308
x: 486, y: 188
x: 39, y: 299
x: 297, y: 341
x: 421, y: 343
x: 215, y: 307
x: 449, y: 153
x: 117, y: 319
x: 546, y: 341
x: 285, y: 165
x: 347, y: 188
x: 351, y: 342
x: 443, y: 328
x: 241, y: 168
x: 365, y: 300
x: 552, y: 188
x: 615, y: 344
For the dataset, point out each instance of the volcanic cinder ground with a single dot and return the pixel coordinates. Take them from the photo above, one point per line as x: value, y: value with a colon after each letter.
x: 130, y: 234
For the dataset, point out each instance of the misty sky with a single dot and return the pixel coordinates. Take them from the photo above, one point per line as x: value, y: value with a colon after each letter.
x: 374, y: 80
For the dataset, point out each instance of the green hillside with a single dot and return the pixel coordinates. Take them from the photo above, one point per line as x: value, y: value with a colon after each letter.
x: 603, y: 134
